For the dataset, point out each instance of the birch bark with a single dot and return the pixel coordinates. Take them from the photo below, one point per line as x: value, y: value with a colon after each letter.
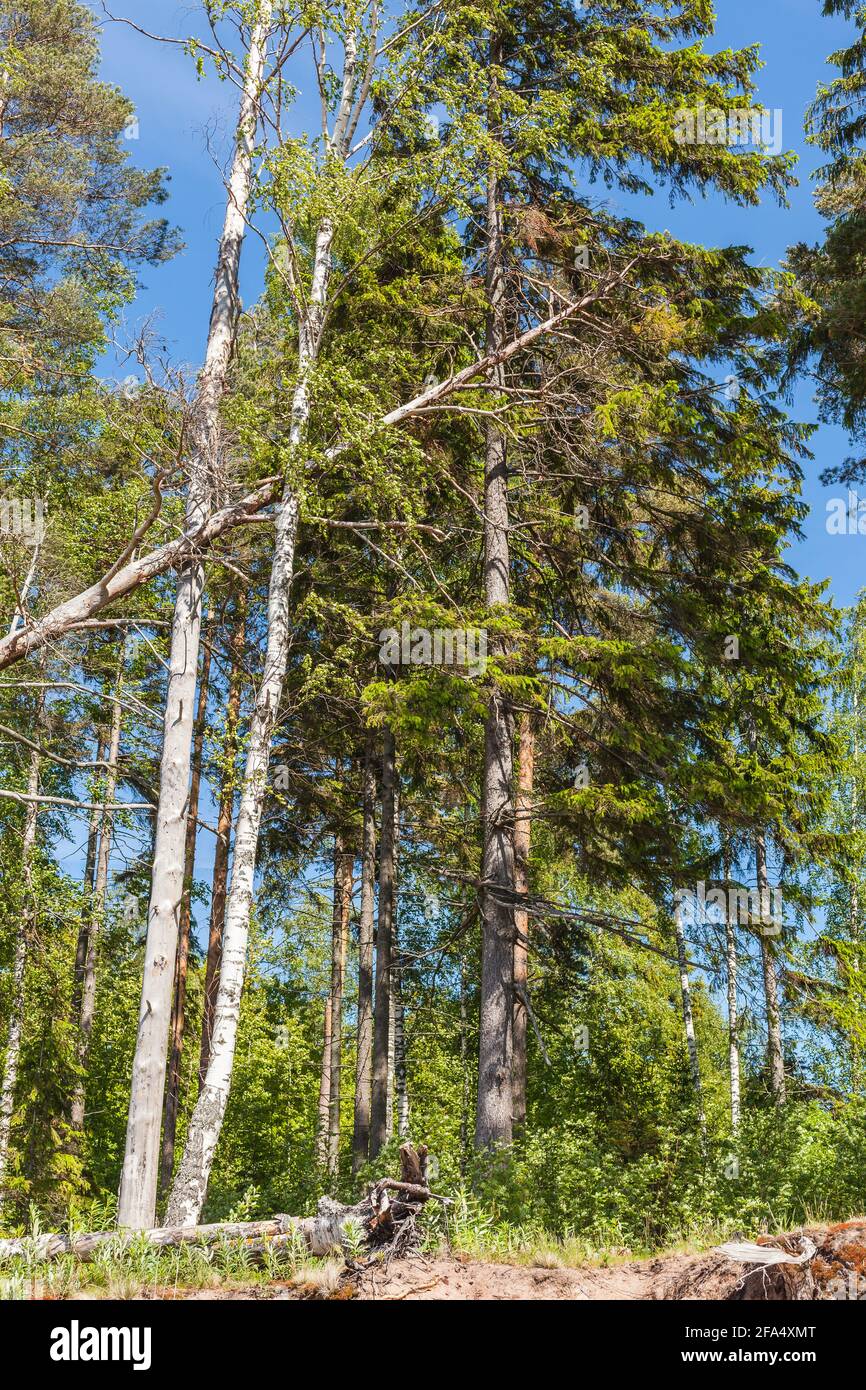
x: 178, y: 1008
x: 733, y: 1039
x: 138, y: 1184
x: 12, y: 1057
x: 219, y: 882
x: 775, y: 1054
x: 688, y: 1019
x: 190, y: 1185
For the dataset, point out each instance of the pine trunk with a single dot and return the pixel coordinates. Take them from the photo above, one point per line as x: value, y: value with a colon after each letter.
x: 364, y: 1064
x: 493, y: 1127
x: 387, y: 898
x: 522, y: 837
x: 343, y: 864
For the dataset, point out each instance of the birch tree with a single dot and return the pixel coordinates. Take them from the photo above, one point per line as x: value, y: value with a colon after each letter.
x: 12, y: 1052
x: 138, y: 1186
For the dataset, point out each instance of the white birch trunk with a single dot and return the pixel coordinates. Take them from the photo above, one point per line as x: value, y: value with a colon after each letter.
x: 190, y: 1185
x: 775, y: 1053
x: 688, y: 1019
x: 138, y: 1184
x: 733, y: 1040
x: 12, y: 1058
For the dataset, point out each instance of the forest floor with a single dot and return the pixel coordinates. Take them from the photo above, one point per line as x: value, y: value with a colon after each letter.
x: 838, y: 1271
x: 831, y: 1265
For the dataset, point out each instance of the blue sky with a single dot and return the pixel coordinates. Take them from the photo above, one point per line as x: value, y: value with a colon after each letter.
x: 185, y: 124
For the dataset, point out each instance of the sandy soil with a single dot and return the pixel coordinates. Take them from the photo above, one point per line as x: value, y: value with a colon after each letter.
x: 837, y: 1271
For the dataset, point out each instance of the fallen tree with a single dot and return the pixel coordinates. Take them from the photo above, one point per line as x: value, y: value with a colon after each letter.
x: 380, y: 1219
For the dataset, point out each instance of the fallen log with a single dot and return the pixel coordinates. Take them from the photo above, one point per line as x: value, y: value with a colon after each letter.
x: 375, y: 1221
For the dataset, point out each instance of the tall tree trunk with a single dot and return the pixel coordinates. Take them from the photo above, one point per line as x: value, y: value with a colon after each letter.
x: 493, y: 1125
x: 854, y: 905
x: 401, y: 1088
x: 138, y: 1184
x: 328, y: 1142
x: 522, y: 836
x: 775, y: 1055
x: 219, y: 884
x: 178, y: 1010
x: 12, y: 1055
x: 97, y: 906
x: 688, y: 1020
x: 387, y: 899
x: 464, y: 1072
x: 324, y: 1109
x: 731, y: 971
x: 343, y: 864
x: 190, y: 1186
x: 89, y: 883
x: 364, y: 1064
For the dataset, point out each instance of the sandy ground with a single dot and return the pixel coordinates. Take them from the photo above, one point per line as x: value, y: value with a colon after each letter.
x: 838, y: 1270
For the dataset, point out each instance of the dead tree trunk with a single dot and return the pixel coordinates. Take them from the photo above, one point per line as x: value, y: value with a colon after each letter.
x: 219, y: 884
x: 178, y: 1010
x: 383, y: 1218
x: 775, y: 1054
x: 493, y: 1126
x: 387, y: 899
x: 364, y: 1064
x: 522, y: 834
